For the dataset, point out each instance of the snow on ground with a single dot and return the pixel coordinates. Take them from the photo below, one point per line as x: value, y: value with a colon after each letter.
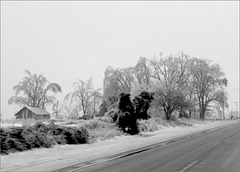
x: 60, y: 156
x: 4, y: 125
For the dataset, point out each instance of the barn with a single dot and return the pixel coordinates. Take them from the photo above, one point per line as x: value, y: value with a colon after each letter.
x: 32, y: 113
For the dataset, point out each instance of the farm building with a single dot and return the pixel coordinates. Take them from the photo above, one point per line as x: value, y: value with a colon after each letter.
x: 32, y: 113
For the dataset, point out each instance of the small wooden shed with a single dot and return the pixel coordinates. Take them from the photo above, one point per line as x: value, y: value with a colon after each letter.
x: 32, y: 113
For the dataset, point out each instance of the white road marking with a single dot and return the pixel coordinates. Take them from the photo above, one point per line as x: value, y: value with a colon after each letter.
x: 189, y: 166
x: 227, y: 139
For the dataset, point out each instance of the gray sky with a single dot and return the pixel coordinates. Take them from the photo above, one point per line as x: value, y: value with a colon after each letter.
x: 67, y: 41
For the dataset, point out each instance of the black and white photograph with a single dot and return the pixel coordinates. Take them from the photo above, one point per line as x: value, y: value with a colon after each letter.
x: 119, y: 86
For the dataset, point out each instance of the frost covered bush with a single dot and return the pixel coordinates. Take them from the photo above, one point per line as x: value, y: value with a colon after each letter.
x: 148, y: 125
x: 94, y: 124
x: 113, y: 113
x: 129, y: 111
x: 72, y: 135
x: 40, y: 135
x: 106, y: 119
x: 102, y: 128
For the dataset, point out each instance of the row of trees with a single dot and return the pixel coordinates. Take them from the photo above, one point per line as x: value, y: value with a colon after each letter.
x: 180, y: 83
x: 36, y: 91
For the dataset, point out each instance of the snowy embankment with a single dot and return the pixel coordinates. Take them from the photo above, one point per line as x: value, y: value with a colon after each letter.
x: 60, y: 156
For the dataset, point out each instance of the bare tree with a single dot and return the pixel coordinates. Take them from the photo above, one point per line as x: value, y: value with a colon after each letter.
x: 170, y: 100
x: 141, y: 71
x: 171, y: 76
x: 117, y: 80
x: 208, y: 81
x: 56, y: 109
x: 86, y: 95
x: 33, y: 91
x: 222, y: 100
x: 110, y: 84
x: 170, y: 72
x: 69, y: 108
x: 97, y: 100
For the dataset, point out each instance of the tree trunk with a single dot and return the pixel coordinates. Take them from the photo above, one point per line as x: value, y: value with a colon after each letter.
x: 167, y: 117
x: 223, y: 113
x: 94, y: 105
x: 194, y: 112
x: 57, y: 112
x: 168, y: 114
x: 83, y: 107
x: 202, y: 107
x: 190, y: 113
x: 202, y: 113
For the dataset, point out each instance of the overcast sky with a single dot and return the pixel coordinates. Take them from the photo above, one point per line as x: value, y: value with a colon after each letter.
x: 67, y: 41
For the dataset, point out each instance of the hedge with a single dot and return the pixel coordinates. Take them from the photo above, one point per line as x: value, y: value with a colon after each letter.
x: 40, y: 135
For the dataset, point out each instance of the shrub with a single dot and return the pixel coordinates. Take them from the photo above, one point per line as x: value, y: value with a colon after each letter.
x: 11, y: 141
x: 147, y: 125
x: 41, y: 127
x: 40, y: 135
x: 30, y: 138
x: 153, y: 124
x: 129, y: 112
x: 127, y: 123
x: 161, y: 122
x: 69, y: 135
x: 103, y: 108
x: 104, y: 133
x: 106, y: 119
x: 93, y: 124
x: 179, y: 122
x: 113, y: 113
x: 60, y: 139
x: 42, y: 140
x: 142, y: 103
x: 16, y: 132
x: 15, y: 144
x: 125, y: 104
x: 100, y: 129
x: 3, y: 139
x: 72, y: 122
x: 82, y: 135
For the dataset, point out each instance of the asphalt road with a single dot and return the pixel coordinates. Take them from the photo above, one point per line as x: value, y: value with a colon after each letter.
x: 214, y: 151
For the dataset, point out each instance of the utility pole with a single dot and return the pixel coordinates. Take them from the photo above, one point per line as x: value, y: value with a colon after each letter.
x: 194, y: 110
x: 94, y: 103
x: 236, y: 108
x: 223, y: 112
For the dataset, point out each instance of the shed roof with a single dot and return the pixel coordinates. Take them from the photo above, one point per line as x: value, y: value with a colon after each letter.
x: 36, y: 110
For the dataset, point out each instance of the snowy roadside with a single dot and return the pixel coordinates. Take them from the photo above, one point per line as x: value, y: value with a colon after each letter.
x: 60, y: 156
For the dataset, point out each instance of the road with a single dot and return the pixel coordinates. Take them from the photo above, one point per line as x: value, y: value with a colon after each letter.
x: 214, y: 151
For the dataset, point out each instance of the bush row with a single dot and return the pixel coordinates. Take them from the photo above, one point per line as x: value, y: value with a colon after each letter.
x: 101, y: 129
x: 153, y: 124
x: 40, y: 135
x: 148, y: 125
